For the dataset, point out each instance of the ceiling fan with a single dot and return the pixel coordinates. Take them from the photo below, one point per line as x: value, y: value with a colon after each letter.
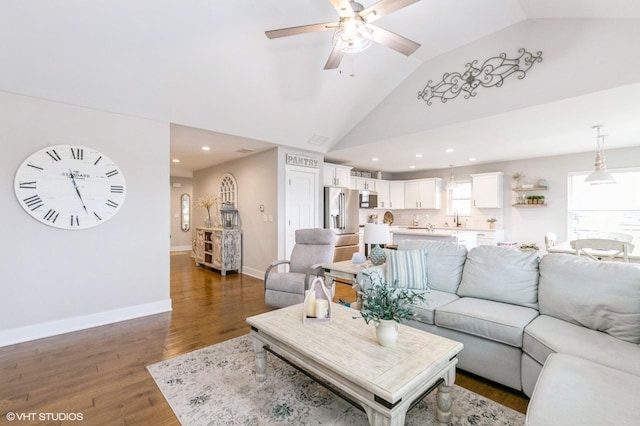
x: 354, y: 31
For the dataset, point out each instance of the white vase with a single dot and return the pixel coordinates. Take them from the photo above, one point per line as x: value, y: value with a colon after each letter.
x: 387, y: 332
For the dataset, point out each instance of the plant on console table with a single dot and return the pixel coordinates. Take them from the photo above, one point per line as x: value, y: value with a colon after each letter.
x: 207, y: 202
x: 387, y: 306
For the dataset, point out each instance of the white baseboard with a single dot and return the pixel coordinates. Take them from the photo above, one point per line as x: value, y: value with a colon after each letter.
x: 255, y: 273
x: 39, y: 331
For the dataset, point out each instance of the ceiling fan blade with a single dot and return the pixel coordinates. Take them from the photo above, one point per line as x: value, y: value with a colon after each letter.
x: 334, y: 59
x: 284, y: 32
x: 393, y: 40
x: 383, y: 8
x: 343, y: 7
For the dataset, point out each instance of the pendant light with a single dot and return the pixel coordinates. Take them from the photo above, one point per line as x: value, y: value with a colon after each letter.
x: 599, y: 175
x: 451, y: 184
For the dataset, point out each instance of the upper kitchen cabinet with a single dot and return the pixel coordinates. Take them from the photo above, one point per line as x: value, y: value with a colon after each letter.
x: 422, y: 193
x: 487, y: 190
x: 396, y: 194
x: 336, y: 175
x: 382, y: 188
x: 364, y: 184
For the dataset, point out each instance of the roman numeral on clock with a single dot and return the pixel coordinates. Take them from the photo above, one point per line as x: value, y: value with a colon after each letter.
x: 111, y: 203
x: 54, y: 155
x: 96, y: 215
x: 51, y: 216
x: 34, y: 202
x: 34, y: 166
x: 117, y: 189
x: 74, y: 220
x: 111, y: 173
x: 28, y: 185
x: 77, y: 153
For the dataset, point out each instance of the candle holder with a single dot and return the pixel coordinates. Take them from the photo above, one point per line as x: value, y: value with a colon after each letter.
x: 317, y: 307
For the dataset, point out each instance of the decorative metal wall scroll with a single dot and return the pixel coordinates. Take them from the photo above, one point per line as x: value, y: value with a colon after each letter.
x: 492, y: 73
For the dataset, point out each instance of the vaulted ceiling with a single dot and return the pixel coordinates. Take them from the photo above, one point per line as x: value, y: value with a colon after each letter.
x: 208, y: 68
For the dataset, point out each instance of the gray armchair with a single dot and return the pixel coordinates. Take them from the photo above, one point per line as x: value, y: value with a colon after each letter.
x: 313, y: 248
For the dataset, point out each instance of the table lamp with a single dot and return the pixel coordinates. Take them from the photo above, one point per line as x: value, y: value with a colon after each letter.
x: 376, y: 234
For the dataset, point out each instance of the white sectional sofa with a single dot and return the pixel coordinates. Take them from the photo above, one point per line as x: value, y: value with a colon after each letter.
x: 513, y: 311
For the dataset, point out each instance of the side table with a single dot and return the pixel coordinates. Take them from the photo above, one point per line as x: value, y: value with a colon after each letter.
x: 346, y: 271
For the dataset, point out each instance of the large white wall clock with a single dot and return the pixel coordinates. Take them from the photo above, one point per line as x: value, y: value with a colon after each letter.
x: 70, y: 187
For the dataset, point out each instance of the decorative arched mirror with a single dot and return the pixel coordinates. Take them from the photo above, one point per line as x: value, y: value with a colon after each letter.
x: 185, y: 212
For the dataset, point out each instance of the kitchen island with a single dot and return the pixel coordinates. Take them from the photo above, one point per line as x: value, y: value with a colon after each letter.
x: 465, y: 238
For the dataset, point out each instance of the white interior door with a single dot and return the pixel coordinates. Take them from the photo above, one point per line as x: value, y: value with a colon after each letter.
x: 301, y: 202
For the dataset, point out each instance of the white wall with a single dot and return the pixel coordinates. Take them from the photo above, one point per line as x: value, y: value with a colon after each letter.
x: 256, y: 177
x: 180, y: 240
x: 53, y: 280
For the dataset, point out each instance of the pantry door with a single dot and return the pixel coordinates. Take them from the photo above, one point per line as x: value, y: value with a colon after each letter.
x: 302, y: 195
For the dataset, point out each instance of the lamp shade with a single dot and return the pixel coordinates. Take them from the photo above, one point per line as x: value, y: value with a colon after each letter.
x: 376, y: 233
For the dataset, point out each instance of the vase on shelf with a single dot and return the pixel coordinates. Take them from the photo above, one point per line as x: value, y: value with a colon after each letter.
x: 208, y: 223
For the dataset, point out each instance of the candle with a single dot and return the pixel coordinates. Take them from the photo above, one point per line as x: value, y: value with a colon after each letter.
x: 322, y: 307
x: 311, y: 303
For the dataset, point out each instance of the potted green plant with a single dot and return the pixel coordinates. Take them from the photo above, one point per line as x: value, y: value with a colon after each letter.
x: 387, y: 306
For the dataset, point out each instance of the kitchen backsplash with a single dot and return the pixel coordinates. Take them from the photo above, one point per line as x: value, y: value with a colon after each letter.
x: 406, y: 217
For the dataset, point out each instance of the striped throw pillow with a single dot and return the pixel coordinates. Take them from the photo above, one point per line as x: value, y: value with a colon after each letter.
x: 407, y: 269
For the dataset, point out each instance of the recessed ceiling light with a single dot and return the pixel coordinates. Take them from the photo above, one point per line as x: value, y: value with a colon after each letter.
x: 412, y: 167
x: 472, y: 159
x: 449, y: 150
x: 175, y: 160
x: 375, y: 159
x: 418, y: 155
x: 206, y: 148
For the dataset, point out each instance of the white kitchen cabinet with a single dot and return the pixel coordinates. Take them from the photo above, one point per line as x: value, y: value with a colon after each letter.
x: 490, y: 237
x: 487, y: 190
x: 382, y: 188
x: 423, y: 194
x: 363, y: 184
x: 396, y: 194
x: 336, y: 175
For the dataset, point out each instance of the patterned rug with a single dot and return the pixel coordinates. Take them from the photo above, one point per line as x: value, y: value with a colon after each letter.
x: 216, y: 386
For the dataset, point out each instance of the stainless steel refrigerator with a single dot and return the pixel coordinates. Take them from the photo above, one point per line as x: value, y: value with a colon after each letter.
x: 341, y: 215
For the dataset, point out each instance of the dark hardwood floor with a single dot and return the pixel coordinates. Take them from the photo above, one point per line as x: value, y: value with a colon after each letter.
x: 100, y: 373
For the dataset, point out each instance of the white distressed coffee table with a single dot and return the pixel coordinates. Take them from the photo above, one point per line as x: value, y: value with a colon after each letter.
x: 384, y: 382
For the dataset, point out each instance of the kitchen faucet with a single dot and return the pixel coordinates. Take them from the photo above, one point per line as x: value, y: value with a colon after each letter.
x: 456, y: 219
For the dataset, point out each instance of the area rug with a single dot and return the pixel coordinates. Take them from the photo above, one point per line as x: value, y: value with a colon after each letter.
x: 216, y: 386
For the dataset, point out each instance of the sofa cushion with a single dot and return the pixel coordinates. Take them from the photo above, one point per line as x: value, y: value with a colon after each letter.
x: 500, y: 322
x: 603, y: 296
x: 434, y: 299
x: 546, y: 335
x: 570, y: 391
x: 501, y: 274
x: 407, y: 268
x: 445, y: 262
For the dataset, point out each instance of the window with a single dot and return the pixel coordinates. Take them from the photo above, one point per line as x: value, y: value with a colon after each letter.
x: 459, y: 199
x: 595, y: 210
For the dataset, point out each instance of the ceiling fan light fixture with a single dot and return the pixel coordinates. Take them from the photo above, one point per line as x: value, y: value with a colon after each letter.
x: 600, y: 175
x: 353, y: 35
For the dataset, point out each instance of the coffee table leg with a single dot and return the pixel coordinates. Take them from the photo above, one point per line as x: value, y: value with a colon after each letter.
x: 261, y: 360
x: 444, y: 398
x: 378, y: 419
